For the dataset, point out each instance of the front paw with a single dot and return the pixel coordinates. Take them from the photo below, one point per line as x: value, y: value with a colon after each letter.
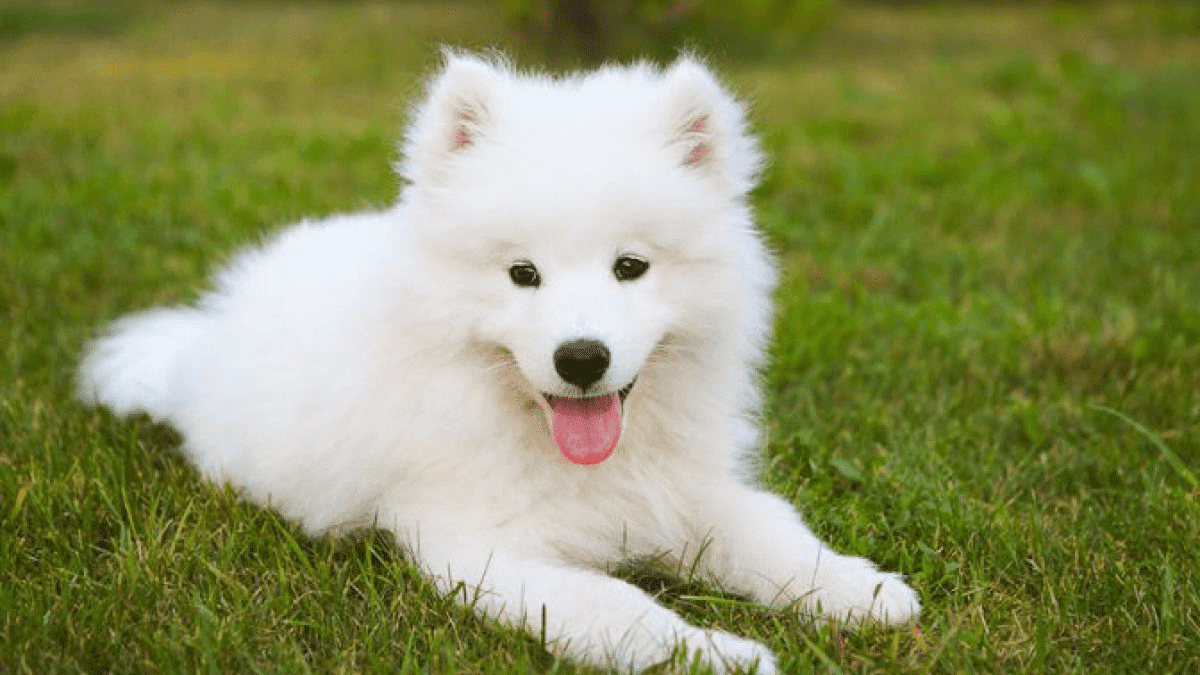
x: 727, y: 653
x: 854, y: 590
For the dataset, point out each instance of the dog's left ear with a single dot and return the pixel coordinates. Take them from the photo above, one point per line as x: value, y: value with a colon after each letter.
x: 453, y: 117
x: 708, y: 125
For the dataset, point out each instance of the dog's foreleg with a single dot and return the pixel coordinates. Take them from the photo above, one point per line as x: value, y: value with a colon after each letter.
x: 756, y: 544
x: 584, y: 615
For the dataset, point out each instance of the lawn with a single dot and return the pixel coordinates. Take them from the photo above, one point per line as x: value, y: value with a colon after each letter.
x: 986, y: 372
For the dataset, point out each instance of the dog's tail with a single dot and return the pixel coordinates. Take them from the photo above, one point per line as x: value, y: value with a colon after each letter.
x: 134, y: 367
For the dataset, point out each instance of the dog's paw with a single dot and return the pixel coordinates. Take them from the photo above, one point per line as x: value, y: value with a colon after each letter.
x: 854, y: 591
x: 726, y: 653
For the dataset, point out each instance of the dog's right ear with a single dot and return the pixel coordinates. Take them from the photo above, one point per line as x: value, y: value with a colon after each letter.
x: 453, y: 117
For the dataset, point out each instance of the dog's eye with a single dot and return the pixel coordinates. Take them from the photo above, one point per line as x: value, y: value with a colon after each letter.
x: 628, y: 268
x: 524, y: 274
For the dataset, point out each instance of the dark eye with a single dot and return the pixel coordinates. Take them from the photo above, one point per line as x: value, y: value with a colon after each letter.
x: 524, y: 274
x: 628, y: 268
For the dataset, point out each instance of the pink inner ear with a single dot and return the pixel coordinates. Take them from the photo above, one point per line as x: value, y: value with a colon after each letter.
x: 701, y: 150
x: 461, y: 138
x: 462, y: 133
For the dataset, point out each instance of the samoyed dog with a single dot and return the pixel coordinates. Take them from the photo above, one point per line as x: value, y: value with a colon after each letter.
x: 540, y: 362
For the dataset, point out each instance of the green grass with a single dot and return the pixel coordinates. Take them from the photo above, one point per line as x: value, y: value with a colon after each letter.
x: 986, y: 373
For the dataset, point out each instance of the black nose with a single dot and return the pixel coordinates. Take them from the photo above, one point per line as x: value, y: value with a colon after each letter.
x: 581, y: 362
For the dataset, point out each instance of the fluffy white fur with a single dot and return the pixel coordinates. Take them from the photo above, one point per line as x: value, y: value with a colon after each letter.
x: 382, y: 368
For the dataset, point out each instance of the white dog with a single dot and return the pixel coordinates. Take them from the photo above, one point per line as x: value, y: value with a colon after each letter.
x: 540, y: 362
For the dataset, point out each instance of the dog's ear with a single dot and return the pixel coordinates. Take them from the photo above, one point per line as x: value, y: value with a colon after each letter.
x: 707, y: 125
x: 452, y: 118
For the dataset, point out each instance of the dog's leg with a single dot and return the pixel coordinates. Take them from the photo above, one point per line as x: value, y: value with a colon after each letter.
x: 756, y: 544
x: 584, y: 615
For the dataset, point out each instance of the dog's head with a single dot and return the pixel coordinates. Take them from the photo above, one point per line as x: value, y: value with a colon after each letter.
x: 591, y: 228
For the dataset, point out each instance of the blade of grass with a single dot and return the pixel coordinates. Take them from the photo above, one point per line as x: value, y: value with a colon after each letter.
x: 1168, y: 454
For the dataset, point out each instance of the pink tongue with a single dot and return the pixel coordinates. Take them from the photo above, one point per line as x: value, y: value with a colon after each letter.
x: 586, y: 429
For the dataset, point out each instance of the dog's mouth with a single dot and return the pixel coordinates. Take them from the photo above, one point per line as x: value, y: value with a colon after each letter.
x: 587, y: 428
